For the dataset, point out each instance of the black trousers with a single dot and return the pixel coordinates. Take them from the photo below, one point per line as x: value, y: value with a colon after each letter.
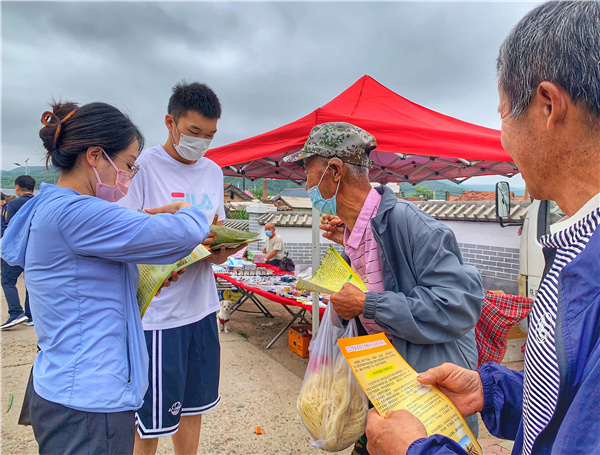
x: 275, y: 262
x: 60, y: 430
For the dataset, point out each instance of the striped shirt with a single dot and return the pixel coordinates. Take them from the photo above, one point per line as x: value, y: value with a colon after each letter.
x: 542, y: 377
x: 361, y: 248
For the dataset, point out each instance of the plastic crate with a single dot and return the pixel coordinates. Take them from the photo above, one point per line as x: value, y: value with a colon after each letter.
x: 299, y: 337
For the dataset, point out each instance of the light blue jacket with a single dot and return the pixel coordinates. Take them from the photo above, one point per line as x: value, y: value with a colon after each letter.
x: 79, y: 255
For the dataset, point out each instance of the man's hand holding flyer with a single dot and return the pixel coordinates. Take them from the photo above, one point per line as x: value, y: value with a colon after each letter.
x: 332, y: 274
x: 391, y: 384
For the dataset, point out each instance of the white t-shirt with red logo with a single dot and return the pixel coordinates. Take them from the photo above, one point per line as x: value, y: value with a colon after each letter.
x: 160, y: 181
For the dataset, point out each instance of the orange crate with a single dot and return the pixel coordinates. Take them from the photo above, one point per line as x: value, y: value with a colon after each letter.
x: 299, y: 338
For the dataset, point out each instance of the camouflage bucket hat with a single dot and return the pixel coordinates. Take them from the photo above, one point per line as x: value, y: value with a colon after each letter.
x: 345, y: 141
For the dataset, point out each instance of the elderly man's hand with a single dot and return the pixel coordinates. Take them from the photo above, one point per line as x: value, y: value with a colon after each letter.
x: 331, y: 225
x: 393, y: 434
x: 348, y: 302
x: 463, y: 387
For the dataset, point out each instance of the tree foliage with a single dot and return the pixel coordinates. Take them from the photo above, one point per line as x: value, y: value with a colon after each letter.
x: 424, y: 191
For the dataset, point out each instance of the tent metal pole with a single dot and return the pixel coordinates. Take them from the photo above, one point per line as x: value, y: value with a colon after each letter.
x: 316, y: 241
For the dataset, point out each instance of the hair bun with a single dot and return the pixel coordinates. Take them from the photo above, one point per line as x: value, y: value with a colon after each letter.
x: 53, y: 123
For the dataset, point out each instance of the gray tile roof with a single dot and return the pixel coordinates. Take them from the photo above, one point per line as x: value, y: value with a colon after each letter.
x: 287, y: 219
x: 480, y: 211
x: 471, y: 210
x: 297, y: 192
x: 236, y: 224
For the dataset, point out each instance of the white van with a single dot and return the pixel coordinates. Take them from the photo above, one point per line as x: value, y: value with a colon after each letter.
x: 540, y: 216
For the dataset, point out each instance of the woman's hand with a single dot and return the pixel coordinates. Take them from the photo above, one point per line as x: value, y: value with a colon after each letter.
x: 333, y: 227
x: 173, y: 207
x: 174, y: 277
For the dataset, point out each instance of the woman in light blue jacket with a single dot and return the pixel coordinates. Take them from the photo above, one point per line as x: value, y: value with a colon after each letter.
x: 79, y: 253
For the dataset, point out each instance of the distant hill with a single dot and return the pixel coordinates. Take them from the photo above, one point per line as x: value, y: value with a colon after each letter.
x: 440, y: 187
x: 39, y: 173
x: 274, y: 186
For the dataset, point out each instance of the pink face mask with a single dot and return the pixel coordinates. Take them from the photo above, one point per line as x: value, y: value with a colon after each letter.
x: 121, y: 186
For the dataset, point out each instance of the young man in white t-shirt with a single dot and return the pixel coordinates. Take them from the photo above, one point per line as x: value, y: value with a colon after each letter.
x: 180, y: 326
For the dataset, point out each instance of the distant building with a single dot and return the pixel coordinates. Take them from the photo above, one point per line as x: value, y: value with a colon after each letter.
x: 295, y: 199
x: 290, y: 192
x: 235, y: 199
x: 233, y: 194
x: 468, y: 195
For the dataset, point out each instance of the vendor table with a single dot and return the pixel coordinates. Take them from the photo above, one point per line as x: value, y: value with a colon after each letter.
x: 250, y: 293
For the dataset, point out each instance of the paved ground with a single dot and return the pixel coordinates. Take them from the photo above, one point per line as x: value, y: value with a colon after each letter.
x: 258, y: 388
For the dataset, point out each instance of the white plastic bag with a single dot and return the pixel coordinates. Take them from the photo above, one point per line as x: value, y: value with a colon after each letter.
x: 331, y: 405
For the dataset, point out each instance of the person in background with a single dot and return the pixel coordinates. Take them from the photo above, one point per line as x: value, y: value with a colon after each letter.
x: 273, y: 246
x: 24, y: 186
x: 80, y: 253
x: 549, y: 86
x: 419, y: 289
x: 179, y: 327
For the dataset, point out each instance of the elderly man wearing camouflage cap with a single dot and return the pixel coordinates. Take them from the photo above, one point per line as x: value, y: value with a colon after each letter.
x: 420, y: 291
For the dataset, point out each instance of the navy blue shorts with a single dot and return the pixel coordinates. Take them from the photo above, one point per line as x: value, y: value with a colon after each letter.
x: 183, y: 376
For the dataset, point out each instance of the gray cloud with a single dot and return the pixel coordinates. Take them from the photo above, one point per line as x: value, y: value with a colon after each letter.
x: 270, y: 63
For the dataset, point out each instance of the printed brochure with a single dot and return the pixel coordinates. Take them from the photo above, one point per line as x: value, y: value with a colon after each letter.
x: 331, y: 275
x: 152, y: 276
x: 391, y: 384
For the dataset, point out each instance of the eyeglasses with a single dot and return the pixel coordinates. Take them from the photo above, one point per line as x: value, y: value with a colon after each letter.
x: 133, y: 169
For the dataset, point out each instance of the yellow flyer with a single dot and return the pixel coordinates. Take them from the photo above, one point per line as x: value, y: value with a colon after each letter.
x: 152, y: 276
x: 331, y: 275
x: 391, y: 384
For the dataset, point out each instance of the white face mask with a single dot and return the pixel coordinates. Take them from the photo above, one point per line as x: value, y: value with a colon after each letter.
x: 191, y: 147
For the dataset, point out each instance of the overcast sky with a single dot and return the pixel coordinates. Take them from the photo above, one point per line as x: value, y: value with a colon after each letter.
x: 269, y: 62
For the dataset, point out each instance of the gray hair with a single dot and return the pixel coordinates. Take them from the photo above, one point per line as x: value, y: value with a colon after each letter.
x: 355, y: 171
x: 559, y: 42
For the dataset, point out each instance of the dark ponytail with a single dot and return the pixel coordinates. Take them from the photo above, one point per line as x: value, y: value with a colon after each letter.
x: 69, y: 130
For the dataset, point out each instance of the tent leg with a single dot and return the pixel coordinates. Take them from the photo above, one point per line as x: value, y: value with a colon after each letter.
x: 316, y: 243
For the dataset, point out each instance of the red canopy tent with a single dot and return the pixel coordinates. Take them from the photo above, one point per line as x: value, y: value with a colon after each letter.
x: 413, y: 143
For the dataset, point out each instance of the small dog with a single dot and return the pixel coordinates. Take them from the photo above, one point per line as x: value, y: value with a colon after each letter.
x: 223, y: 315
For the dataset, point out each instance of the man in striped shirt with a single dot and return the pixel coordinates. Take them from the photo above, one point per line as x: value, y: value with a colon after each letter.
x: 549, y: 86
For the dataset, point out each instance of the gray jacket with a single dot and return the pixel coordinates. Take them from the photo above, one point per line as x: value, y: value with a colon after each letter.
x: 432, y: 300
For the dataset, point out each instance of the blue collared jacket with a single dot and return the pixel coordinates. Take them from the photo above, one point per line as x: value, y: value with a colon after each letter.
x: 575, y: 425
x: 80, y: 254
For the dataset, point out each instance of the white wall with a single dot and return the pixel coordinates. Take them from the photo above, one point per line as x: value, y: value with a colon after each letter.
x: 485, y: 233
x: 474, y: 233
x: 294, y: 234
